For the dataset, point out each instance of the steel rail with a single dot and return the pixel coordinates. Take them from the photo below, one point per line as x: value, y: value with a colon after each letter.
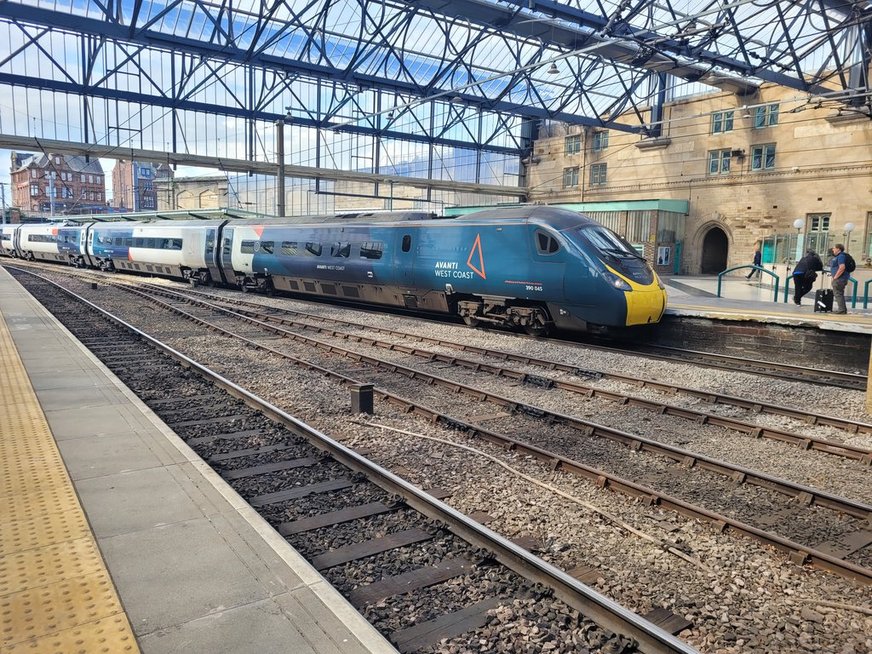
x: 798, y: 553
x: 739, y: 474
x: 786, y: 371
x: 597, y: 607
x: 702, y: 417
x: 756, y: 406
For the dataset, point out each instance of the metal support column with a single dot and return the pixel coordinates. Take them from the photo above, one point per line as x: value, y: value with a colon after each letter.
x: 280, y: 155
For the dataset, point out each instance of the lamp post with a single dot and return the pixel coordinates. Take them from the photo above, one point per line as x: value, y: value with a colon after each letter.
x: 849, y: 227
x: 799, y: 224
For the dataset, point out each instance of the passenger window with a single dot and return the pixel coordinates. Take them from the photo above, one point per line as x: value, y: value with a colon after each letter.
x: 340, y: 250
x: 371, y: 250
x: 128, y: 242
x: 546, y: 244
x: 289, y: 248
x: 267, y: 246
x: 119, y: 240
x: 407, y: 243
x: 313, y: 249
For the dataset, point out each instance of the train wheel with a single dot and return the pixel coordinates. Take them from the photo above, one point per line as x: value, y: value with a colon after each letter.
x: 536, y: 330
x: 471, y: 321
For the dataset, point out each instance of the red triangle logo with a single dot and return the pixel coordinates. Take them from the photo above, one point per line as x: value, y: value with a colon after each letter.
x: 476, y: 248
x: 258, y: 229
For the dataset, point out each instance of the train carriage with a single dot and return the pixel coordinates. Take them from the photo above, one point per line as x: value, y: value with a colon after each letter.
x: 532, y: 267
x: 172, y: 248
x: 38, y: 242
x: 7, y: 232
x: 72, y: 241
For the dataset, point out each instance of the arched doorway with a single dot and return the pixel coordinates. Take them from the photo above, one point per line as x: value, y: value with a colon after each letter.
x: 714, y: 252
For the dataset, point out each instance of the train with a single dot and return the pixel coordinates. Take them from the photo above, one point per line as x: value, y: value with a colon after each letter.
x: 535, y: 268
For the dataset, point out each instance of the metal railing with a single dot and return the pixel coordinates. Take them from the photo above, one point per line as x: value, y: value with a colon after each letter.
x: 747, y: 265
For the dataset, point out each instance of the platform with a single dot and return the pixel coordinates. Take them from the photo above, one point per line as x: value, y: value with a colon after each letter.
x: 195, y: 568
x: 744, y: 300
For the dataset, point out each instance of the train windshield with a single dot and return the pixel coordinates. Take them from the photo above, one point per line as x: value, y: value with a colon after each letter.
x: 608, y: 242
x: 616, y: 252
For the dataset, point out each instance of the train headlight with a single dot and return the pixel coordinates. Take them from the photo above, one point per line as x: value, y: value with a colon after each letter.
x: 612, y: 279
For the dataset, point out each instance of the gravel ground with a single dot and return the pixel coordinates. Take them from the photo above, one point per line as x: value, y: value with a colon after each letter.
x: 740, y: 596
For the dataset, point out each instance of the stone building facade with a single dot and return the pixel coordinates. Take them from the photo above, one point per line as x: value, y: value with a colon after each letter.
x: 205, y: 192
x: 54, y: 184
x: 747, y: 167
x: 133, y: 184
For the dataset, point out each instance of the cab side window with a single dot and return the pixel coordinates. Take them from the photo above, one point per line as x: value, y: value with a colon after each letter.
x: 546, y: 244
x: 407, y: 242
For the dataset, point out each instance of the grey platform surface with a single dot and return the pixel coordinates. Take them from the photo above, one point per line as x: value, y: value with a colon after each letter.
x: 196, y: 568
x: 743, y: 300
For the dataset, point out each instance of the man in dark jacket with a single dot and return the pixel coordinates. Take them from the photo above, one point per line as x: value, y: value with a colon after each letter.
x: 804, y: 274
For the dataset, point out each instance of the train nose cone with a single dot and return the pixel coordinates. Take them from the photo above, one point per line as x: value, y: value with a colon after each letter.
x: 645, y: 306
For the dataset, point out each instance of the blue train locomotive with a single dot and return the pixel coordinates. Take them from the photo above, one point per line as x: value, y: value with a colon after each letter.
x: 532, y: 267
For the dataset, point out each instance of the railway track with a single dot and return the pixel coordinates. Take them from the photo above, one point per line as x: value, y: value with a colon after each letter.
x: 843, y: 532
x: 351, y: 518
x: 547, y: 379
x: 772, y: 369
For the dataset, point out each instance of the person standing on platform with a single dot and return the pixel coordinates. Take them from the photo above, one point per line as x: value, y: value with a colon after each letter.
x: 758, y: 257
x: 840, y: 276
x: 804, y: 275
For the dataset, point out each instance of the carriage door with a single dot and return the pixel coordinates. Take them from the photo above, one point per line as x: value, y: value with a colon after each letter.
x: 211, y: 254
x: 86, y: 238
x: 225, y: 257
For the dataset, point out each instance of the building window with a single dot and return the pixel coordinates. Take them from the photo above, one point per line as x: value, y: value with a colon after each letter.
x: 570, y: 177
x: 144, y: 172
x: 766, y: 115
x: 719, y: 162
x: 57, y: 161
x: 598, y: 174
x: 572, y: 144
x: 763, y: 157
x: 819, y: 222
x: 722, y: 121
x: 818, y: 237
x: 33, y: 173
x: 34, y: 190
x: 600, y: 141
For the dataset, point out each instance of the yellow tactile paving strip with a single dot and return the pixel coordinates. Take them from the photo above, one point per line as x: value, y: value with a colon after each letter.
x: 56, y: 596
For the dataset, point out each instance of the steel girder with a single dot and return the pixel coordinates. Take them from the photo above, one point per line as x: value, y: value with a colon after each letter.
x: 462, y: 74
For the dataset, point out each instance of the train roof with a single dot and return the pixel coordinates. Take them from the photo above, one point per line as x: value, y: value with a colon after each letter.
x: 559, y: 219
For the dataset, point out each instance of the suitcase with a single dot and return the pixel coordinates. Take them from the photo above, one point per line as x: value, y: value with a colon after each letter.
x: 823, y: 300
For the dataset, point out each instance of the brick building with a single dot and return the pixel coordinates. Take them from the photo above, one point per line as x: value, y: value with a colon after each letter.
x: 133, y: 184
x: 55, y: 184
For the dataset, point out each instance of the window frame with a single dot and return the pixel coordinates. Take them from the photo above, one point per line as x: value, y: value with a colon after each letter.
x: 722, y: 121
x: 719, y: 158
x: 551, y: 245
x: 766, y: 115
x: 599, y: 174
x: 570, y: 176
x: 761, y: 153
x: 572, y: 144
x: 600, y: 141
